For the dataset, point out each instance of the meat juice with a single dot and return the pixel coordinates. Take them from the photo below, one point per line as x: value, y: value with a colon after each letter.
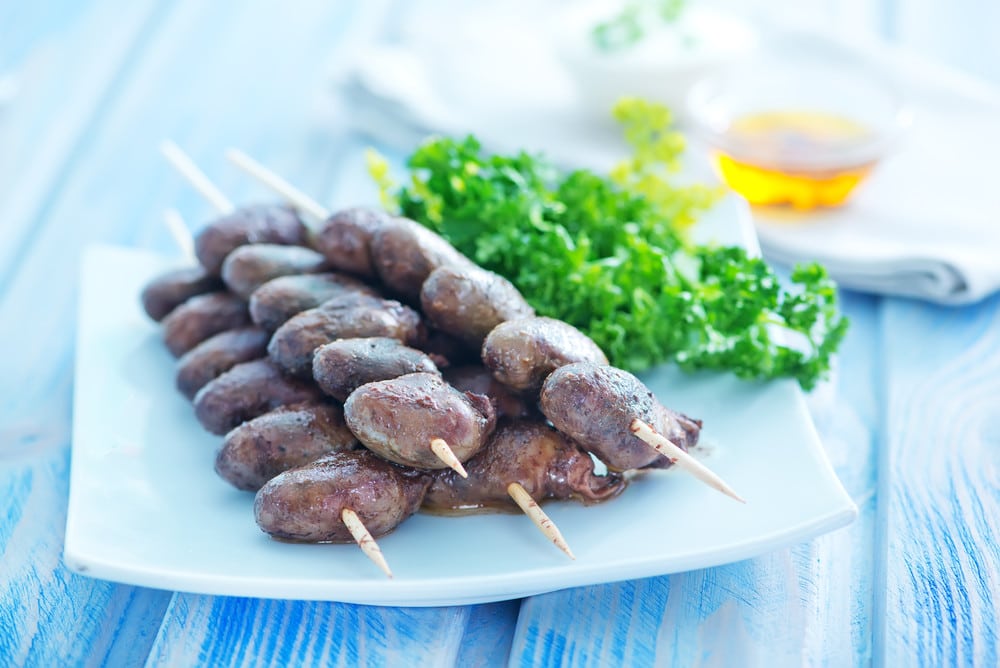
x: 797, y: 136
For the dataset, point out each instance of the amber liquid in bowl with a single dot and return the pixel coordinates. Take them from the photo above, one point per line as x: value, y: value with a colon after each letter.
x: 796, y: 133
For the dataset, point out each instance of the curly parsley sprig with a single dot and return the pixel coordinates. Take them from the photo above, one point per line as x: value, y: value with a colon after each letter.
x: 610, y: 256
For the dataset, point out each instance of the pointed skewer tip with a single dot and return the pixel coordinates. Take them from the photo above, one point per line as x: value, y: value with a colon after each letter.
x: 531, y: 508
x: 364, y: 539
x: 676, y: 455
x: 444, y: 452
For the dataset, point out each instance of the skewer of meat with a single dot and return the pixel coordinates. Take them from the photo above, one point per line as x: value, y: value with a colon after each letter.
x: 525, y: 460
x: 608, y: 411
x: 401, y: 252
x: 419, y: 420
x: 247, y: 390
x: 342, y: 496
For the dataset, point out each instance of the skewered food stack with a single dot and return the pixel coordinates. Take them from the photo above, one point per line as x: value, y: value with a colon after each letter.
x: 305, y: 347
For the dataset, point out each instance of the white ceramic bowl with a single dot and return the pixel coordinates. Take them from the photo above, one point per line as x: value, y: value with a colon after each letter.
x: 661, y: 67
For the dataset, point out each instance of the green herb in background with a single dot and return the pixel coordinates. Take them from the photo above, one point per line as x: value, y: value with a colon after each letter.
x: 610, y: 256
x: 630, y: 25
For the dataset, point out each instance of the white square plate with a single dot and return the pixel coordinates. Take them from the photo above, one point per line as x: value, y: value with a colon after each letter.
x: 146, y: 507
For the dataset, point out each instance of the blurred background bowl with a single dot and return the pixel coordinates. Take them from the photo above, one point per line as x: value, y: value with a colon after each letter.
x: 661, y: 66
x: 801, y: 122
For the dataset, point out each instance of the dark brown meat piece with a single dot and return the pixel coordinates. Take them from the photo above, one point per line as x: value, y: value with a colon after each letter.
x: 246, y: 391
x: 405, y: 253
x: 262, y: 224
x: 249, y: 267
x: 521, y: 353
x: 595, y: 404
x: 343, y: 317
x: 203, y: 316
x: 218, y: 354
x: 166, y: 292
x: 399, y: 418
x: 305, y: 503
x: 291, y: 436
x: 469, y: 302
x: 346, y: 238
x: 477, y: 379
x: 278, y: 300
x: 546, y: 463
x: 343, y: 366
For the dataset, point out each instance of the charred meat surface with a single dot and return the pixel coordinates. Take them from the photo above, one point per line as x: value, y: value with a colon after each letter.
x: 343, y: 317
x: 249, y: 267
x: 218, y: 354
x: 469, y: 302
x: 521, y: 353
x: 477, y: 379
x: 405, y: 253
x: 343, y: 366
x: 261, y: 224
x: 595, y: 404
x: 246, y: 391
x: 305, y: 503
x: 201, y: 317
x: 291, y: 436
x: 273, y: 303
x: 346, y: 238
x: 168, y: 291
x: 545, y: 462
x: 399, y: 418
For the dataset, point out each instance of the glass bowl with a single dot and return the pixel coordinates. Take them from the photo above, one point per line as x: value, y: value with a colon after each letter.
x: 801, y: 123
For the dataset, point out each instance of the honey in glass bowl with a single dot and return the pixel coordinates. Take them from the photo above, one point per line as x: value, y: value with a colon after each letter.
x: 800, y: 124
x: 805, y: 132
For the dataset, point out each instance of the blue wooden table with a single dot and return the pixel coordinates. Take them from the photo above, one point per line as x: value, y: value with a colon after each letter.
x: 910, y: 419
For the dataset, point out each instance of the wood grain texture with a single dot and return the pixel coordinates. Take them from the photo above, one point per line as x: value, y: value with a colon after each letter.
x: 224, y: 631
x: 808, y: 605
x: 940, y: 486
x: 49, y: 616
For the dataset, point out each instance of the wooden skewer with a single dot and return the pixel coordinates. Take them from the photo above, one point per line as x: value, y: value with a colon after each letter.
x: 276, y: 183
x: 682, y: 459
x: 364, y: 539
x: 446, y: 455
x: 538, y: 516
x: 181, y: 234
x: 190, y: 171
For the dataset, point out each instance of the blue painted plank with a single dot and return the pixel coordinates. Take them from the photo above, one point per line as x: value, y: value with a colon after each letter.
x: 807, y: 605
x: 49, y: 123
x: 49, y: 616
x: 225, y: 631
x: 939, y: 491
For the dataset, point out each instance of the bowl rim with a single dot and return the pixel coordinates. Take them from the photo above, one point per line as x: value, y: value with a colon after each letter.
x: 850, y: 153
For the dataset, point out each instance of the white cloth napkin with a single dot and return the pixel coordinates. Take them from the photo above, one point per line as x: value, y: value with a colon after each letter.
x: 925, y: 225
